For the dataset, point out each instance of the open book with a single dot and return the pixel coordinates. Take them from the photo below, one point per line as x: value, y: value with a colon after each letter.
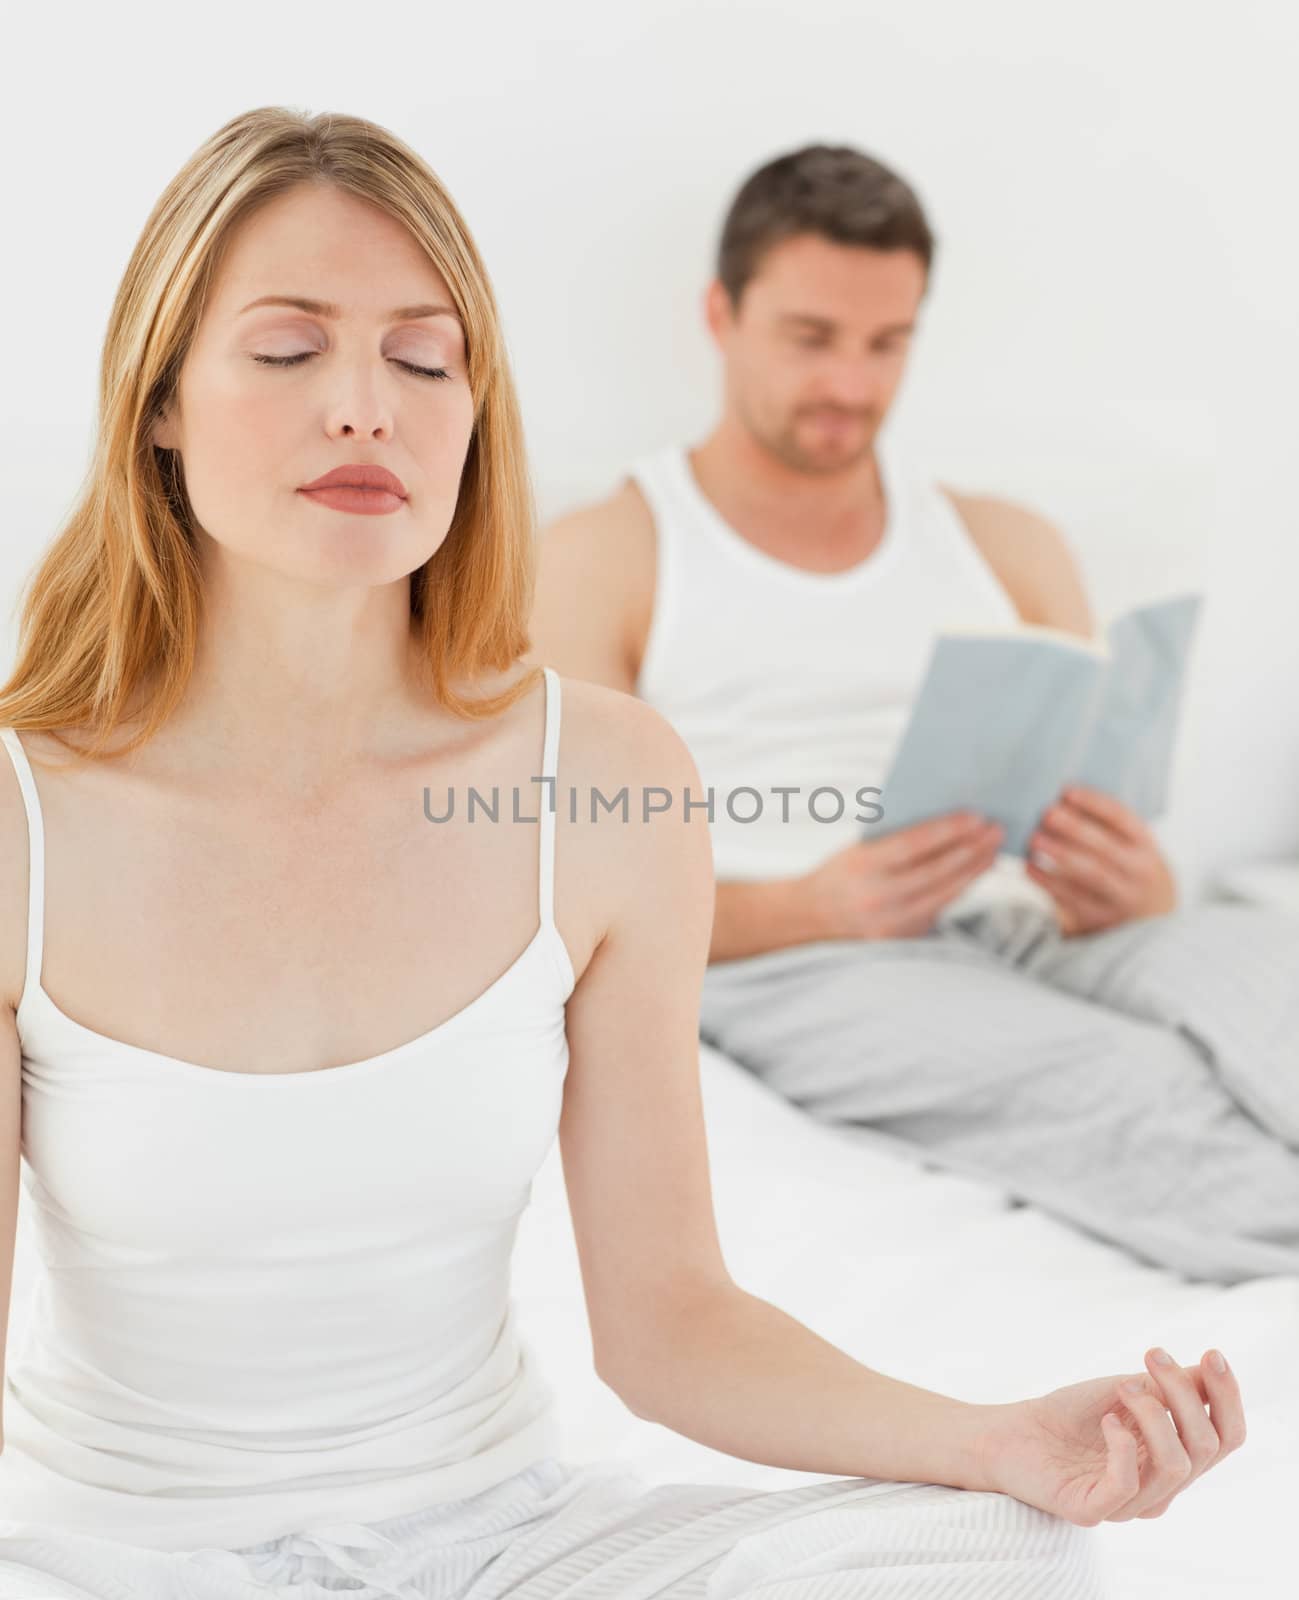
x: 1005, y: 719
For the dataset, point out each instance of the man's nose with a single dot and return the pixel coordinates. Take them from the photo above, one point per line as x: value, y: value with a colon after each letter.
x: 852, y: 384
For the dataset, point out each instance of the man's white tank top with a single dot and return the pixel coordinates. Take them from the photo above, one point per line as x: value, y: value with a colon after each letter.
x: 777, y: 677
x: 270, y: 1301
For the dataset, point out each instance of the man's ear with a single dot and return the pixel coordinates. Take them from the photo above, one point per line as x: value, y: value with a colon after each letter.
x: 718, y: 312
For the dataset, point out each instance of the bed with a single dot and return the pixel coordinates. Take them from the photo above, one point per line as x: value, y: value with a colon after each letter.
x: 956, y: 1286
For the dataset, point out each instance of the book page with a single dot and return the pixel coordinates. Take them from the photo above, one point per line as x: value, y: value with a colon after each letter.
x: 1130, y: 748
x: 997, y: 723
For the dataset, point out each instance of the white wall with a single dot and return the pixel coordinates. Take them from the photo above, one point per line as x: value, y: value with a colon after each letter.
x: 1110, y: 335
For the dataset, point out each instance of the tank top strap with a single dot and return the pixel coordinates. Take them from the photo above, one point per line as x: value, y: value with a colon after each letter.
x: 549, y: 798
x: 35, y: 858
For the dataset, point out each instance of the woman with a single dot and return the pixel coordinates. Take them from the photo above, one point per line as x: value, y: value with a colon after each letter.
x: 283, y: 633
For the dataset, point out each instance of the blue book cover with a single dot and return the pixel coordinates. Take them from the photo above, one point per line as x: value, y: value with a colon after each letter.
x: 1004, y: 721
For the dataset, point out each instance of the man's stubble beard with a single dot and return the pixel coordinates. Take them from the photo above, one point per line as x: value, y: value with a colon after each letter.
x: 783, y: 444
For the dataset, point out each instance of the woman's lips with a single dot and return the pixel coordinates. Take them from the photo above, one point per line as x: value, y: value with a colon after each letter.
x: 346, y: 497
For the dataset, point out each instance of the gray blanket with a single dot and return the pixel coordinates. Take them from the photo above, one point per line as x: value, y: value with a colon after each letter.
x: 1141, y: 1083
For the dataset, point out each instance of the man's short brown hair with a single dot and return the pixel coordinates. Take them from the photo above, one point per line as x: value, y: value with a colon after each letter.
x: 832, y: 190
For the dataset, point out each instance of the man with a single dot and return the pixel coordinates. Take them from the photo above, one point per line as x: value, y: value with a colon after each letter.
x: 1060, y: 1027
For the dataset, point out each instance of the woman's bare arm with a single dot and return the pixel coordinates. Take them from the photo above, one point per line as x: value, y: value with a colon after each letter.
x: 10, y: 1124
x: 683, y: 1345
x: 13, y: 957
x: 676, y: 1338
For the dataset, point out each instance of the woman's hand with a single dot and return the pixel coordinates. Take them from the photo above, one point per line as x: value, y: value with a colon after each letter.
x: 1105, y: 864
x: 1096, y: 1452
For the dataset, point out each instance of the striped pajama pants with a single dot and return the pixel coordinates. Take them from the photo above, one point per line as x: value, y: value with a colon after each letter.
x: 559, y: 1531
x: 1140, y: 1083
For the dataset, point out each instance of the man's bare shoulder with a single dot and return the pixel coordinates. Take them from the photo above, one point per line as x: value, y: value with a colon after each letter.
x: 1005, y: 525
x: 595, y: 589
x: 1031, y: 556
x: 613, y: 528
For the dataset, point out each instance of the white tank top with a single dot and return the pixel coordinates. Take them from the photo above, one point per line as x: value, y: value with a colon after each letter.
x: 777, y: 677
x: 265, y: 1301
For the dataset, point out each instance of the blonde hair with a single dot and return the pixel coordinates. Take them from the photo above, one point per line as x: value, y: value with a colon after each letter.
x: 113, y: 608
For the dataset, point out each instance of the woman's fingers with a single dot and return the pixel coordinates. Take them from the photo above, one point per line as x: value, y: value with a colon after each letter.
x: 1198, y: 1435
x: 1187, y: 1391
x: 1226, y: 1408
x: 1185, y: 1398
x: 1122, y: 1468
x: 1167, y: 1412
x: 1174, y: 1458
x: 1169, y: 1466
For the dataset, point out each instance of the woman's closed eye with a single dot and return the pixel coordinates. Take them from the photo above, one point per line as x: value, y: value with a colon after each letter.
x: 292, y: 361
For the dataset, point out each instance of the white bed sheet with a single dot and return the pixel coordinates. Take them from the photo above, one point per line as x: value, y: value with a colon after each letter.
x: 946, y: 1283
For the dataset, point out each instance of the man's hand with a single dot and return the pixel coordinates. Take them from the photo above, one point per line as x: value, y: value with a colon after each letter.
x: 1098, y: 1452
x: 893, y: 888
x: 1105, y: 865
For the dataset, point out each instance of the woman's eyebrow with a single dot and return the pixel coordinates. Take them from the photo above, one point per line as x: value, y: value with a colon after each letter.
x: 326, y: 308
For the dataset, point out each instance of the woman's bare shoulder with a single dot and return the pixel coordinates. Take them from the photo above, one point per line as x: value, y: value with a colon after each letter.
x: 625, y: 775
x: 616, y: 737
